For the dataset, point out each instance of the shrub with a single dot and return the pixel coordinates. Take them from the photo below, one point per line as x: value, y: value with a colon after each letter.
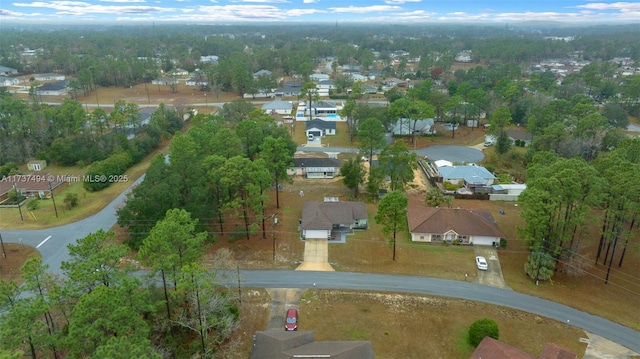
x: 33, y: 204
x: 450, y: 186
x: 503, y: 242
x: 100, y: 174
x: 482, y: 328
x: 70, y: 200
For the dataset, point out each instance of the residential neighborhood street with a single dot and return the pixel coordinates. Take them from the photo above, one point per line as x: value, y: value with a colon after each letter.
x: 54, y: 251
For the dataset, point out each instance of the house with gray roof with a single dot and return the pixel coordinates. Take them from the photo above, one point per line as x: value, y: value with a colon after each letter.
x: 316, y: 167
x: 262, y: 73
x: 53, y: 88
x: 320, y: 128
x: 301, y: 344
x: 9, y: 81
x: 4, y: 70
x: 278, y: 107
x: 471, y: 177
x: 332, y: 220
x: 288, y: 89
x: 406, y: 127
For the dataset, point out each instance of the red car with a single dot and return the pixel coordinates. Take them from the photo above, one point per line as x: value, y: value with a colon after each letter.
x: 291, y: 321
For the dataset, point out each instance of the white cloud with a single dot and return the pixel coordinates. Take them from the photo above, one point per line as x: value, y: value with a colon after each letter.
x: 261, y: 1
x: 622, y: 6
x: 365, y: 9
x: 398, y: 2
x: 78, y: 8
x: 121, y: 1
x: 310, y: 1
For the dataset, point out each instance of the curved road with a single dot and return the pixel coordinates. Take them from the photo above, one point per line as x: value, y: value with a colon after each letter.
x: 52, y: 244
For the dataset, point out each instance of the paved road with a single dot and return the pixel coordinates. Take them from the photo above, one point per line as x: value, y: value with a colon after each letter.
x: 54, y: 251
x: 52, y: 242
x: 446, y: 288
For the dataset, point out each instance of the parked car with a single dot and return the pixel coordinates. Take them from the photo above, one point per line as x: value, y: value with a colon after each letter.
x: 310, y: 137
x: 481, y: 263
x: 291, y: 320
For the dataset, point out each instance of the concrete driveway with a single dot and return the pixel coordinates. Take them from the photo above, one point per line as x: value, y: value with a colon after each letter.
x: 493, y: 275
x: 316, y: 255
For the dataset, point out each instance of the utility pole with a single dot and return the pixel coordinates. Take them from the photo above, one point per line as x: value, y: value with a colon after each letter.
x: 18, y: 199
x: 239, y: 290
x: 4, y: 253
x: 54, y: 199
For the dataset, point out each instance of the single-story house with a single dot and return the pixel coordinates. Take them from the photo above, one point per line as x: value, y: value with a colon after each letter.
x: 451, y: 225
x: 515, y: 135
x: 506, y: 192
x: 145, y: 114
x: 262, y: 73
x: 4, y: 70
x: 278, y: 107
x: 165, y: 81
x: 395, y: 82
x: 405, y: 126
x: 325, y: 85
x: 318, y: 77
x: 36, y: 165
x: 32, y: 185
x: 213, y: 59
x: 9, y: 81
x: 275, y: 344
x: 493, y: 348
x: 358, y: 77
x: 53, y: 88
x: 49, y: 77
x: 320, y: 128
x: 326, y: 109
x: 327, y: 220
x: 289, y: 88
x: 472, y: 177
x: 315, y: 167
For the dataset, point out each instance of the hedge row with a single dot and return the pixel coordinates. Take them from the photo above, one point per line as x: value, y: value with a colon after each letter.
x: 102, y: 173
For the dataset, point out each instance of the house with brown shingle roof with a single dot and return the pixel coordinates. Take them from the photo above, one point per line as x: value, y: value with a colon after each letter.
x: 451, y: 225
x: 332, y: 220
x: 33, y: 185
x: 301, y: 344
x: 493, y: 348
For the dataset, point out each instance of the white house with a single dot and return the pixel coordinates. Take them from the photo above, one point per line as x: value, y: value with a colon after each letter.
x: 213, y: 59
x: 278, y: 107
x: 53, y: 88
x: 358, y: 77
x: 9, y: 81
x: 4, y: 70
x: 318, y: 77
x: 49, y: 77
x: 315, y: 167
x: 325, y: 110
x: 320, y: 128
x: 506, y: 192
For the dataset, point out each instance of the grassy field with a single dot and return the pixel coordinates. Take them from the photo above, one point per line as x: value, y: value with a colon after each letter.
x: 409, y: 326
x: 88, y: 202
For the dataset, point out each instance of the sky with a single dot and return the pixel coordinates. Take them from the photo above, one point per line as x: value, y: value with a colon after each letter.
x: 331, y: 11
